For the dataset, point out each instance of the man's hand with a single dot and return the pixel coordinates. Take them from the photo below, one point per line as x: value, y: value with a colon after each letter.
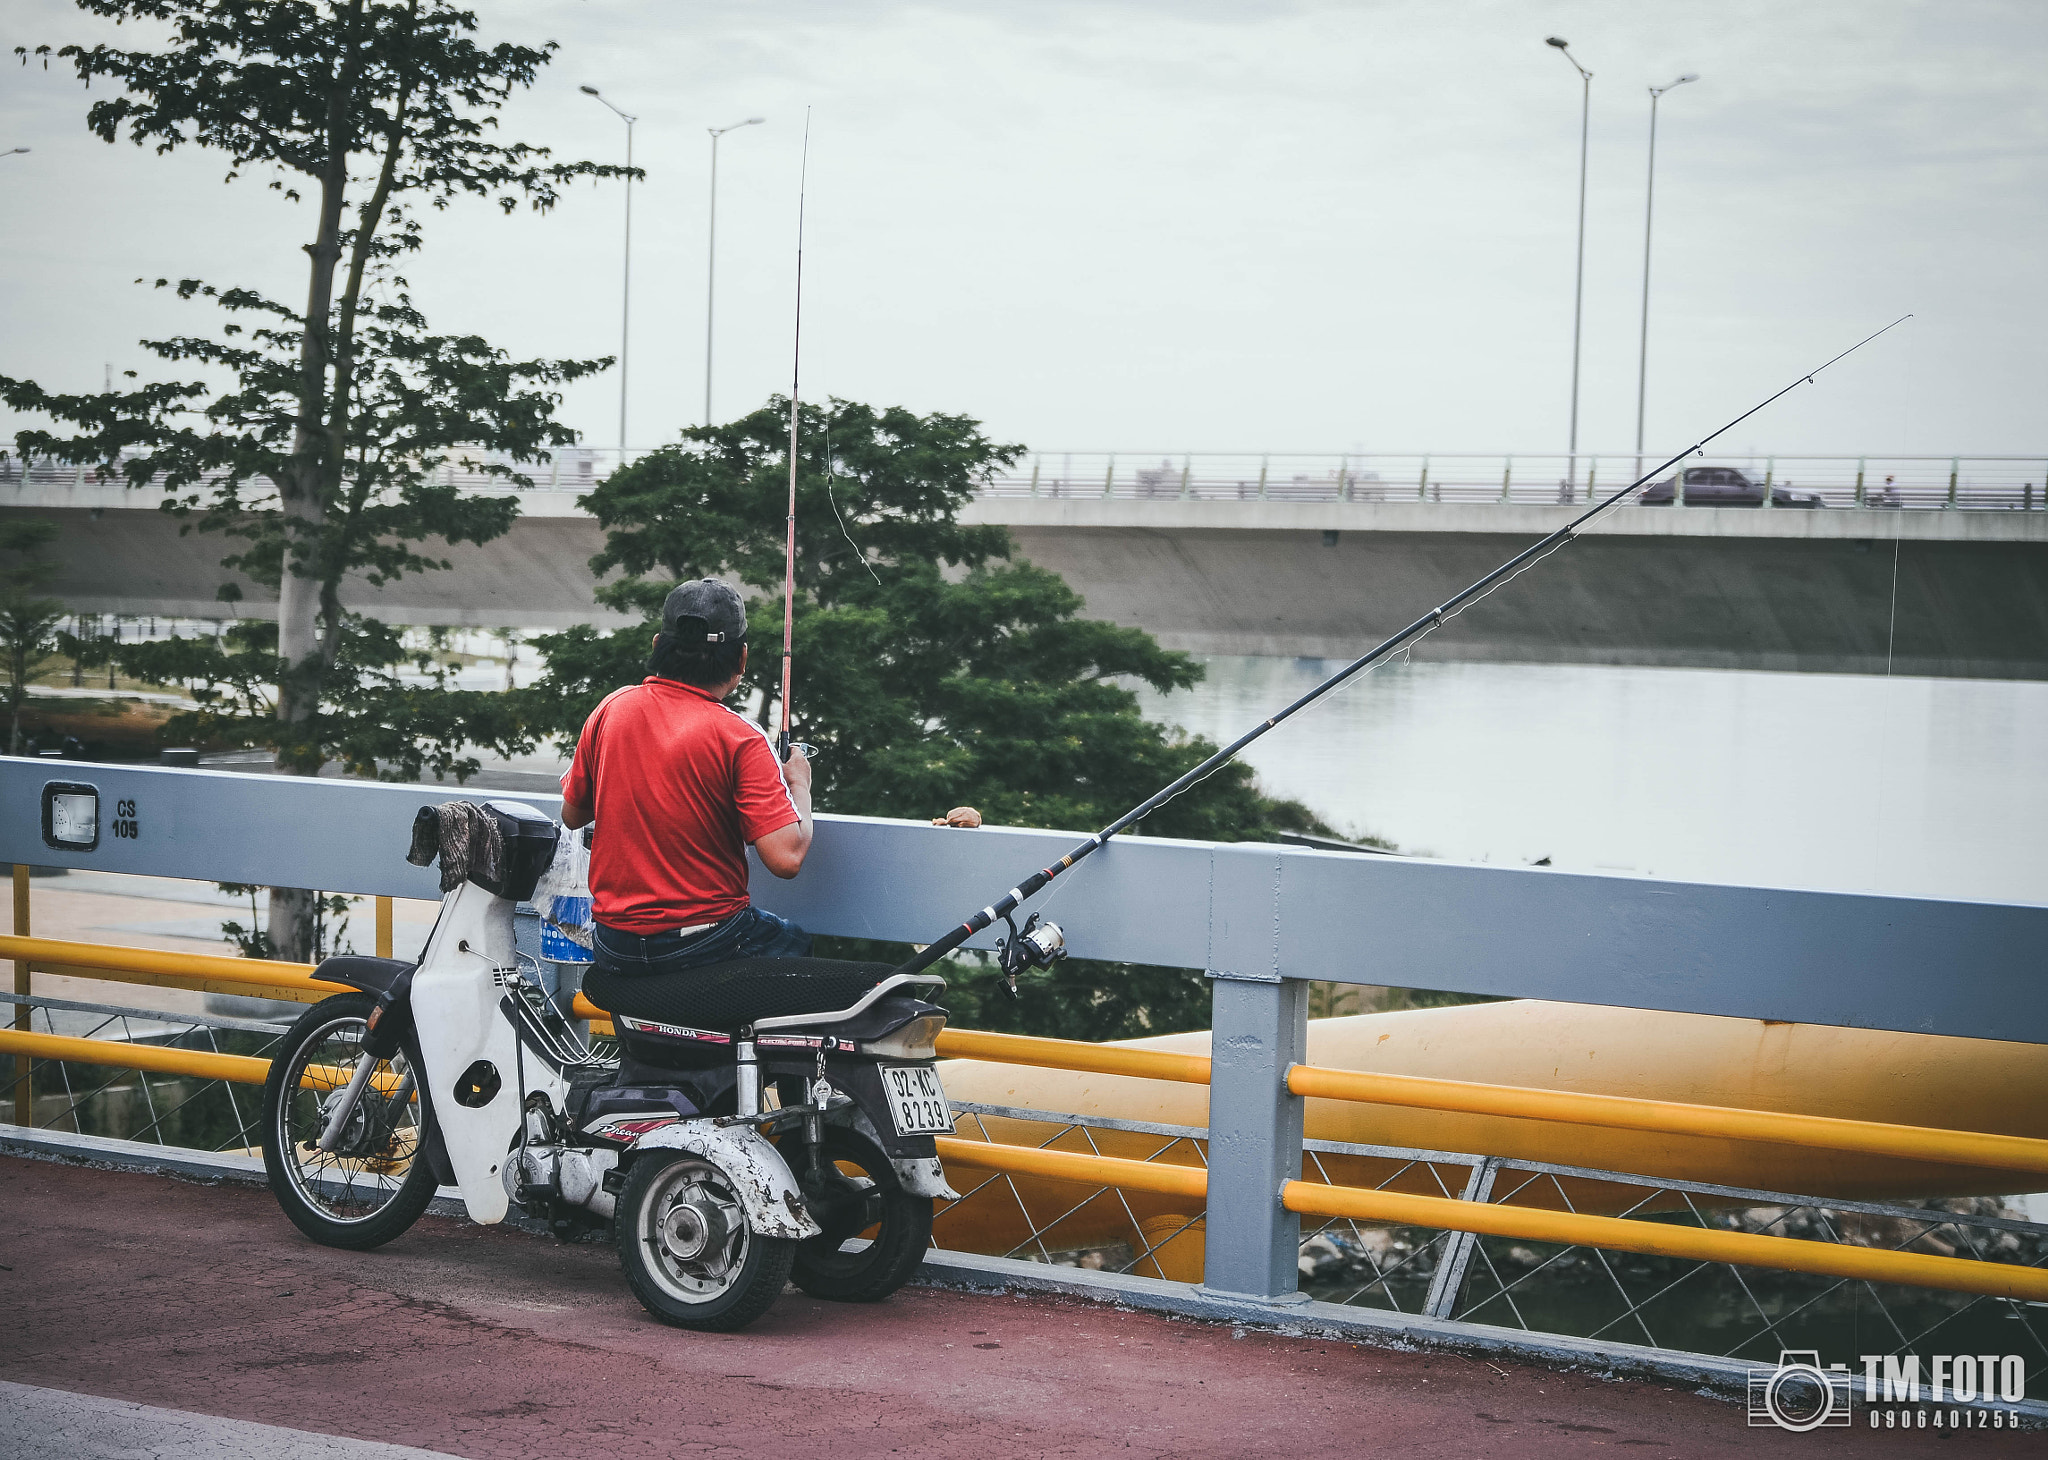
x: 783, y: 851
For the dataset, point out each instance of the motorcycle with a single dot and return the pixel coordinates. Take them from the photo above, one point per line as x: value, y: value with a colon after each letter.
x: 754, y: 1122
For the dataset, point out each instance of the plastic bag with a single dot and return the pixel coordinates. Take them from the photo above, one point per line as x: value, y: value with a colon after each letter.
x: 563, y: 897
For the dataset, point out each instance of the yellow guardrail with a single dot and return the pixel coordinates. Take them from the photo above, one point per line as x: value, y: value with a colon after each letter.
x: 1670, y: 1117
x: 270, y: 978
x: 1071, y: 1054
x: 219, y: 973
x: 1697, y: 1244
x: 241, y: 1069
x: 213, y: 973
x: 1954, y: 1274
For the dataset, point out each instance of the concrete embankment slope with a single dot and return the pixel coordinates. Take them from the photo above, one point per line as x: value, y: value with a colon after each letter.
x: 1800, y: 590
x: 137, y: 563
x: 1780, y: 589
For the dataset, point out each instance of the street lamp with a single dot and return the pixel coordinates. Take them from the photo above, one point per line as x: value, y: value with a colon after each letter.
x: 1579, y: 276
x: 626, y: 273
x: 12, y: 151
x: 711, y: 253
x: 1649, y: 205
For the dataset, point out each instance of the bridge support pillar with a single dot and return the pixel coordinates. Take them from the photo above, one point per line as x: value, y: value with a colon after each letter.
x: 1260, y: 1024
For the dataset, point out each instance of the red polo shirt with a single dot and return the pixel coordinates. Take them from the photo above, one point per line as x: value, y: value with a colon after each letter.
x: 681, y: 786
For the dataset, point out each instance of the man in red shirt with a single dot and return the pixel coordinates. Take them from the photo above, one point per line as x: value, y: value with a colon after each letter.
x: 680, y: 785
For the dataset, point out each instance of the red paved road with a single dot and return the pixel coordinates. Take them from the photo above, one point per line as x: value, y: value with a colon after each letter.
x: 486, y: 1343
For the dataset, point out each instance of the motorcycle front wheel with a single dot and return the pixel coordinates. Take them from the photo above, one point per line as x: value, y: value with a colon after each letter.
x: 875, y: 1233
x: 377, y: 1180
x: 687, y: 1253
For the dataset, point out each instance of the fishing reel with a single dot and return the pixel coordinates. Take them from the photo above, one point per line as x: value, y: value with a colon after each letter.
x: 1039, y: 945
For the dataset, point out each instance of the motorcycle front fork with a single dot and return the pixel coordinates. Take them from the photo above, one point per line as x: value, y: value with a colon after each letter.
x: 351, y: 1096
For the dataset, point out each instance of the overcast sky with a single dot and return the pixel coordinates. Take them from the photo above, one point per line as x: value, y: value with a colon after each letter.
x: 1189, y: 226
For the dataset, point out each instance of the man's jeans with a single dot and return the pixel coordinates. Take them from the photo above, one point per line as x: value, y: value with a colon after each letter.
x: 749, y: 933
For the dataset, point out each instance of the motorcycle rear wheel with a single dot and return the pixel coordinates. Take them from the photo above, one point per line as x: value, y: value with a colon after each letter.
x: 684, y: 1244
x: 867, y: 1201
x: 378, y: 1180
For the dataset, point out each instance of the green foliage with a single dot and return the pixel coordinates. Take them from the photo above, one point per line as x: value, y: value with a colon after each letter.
x: 28, y: 620
x: 303, y: 88
x: 718, y: 502
x: 387, y: 711
x: 251, y: 941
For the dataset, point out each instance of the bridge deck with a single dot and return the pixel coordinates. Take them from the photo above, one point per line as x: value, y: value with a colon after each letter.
x: 487, y: 1342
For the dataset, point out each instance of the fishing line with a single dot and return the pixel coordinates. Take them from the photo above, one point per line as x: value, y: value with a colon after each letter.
x: 795, y: 375
x: 1891, y: 633
x: 1407, y: 659
x: 834, y: 500
x: 1472, y: 593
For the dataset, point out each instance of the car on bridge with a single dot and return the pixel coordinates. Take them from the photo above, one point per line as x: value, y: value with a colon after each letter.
x: 1724, y: 486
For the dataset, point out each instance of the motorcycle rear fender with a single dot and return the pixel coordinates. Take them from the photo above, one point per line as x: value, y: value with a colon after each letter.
x: 919, y: 1175
x: 768, y: 1193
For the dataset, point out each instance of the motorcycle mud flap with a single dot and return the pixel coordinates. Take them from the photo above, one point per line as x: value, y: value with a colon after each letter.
x: 768, y: 1193
x: 919, y: 1175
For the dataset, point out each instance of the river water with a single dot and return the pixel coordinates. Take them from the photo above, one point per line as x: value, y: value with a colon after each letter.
x: 1929, y: 787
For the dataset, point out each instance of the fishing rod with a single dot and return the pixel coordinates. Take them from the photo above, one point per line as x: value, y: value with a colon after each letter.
x: 782, y: 742
x: 1039, y: 944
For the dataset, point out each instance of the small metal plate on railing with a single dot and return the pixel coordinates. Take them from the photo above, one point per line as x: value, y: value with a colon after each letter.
x: 71, y: 816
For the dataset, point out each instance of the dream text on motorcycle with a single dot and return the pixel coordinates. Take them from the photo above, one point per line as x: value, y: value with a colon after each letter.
x: 916, y: 1100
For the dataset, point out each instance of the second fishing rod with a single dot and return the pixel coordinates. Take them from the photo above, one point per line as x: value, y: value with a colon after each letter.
x: 1022, y: 951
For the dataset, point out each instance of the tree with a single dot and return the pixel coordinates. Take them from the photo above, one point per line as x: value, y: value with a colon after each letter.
x: 28, y: 621
x: 930, y: 669
x: 322, y: 454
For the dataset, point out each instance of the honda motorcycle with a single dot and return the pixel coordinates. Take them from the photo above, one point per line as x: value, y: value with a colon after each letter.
x: 759, y: 1121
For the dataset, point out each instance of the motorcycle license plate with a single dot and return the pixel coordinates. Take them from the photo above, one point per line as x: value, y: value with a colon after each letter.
x: 916, y: 1100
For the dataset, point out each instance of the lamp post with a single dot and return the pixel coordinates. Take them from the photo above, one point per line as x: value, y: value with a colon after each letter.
x: 711, y: 253
x: 626, y: 273
x: 10, y: 152
x: 1649, y: 206
x: 1579, y: 274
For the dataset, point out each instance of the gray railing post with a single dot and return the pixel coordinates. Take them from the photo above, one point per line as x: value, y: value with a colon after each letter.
x: 1260, y: 1027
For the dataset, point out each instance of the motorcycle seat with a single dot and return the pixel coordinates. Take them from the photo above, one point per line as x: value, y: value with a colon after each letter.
x: 727, y: 997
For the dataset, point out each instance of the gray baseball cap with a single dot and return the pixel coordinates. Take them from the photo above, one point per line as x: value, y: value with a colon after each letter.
x: 707, y: 607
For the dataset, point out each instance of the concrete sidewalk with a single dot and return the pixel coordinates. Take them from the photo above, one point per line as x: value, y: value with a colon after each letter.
x: 481, y: 1342
x: 51, y: 1424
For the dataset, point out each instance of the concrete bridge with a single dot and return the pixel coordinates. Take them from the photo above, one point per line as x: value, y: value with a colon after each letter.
x: 1855, y: 589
